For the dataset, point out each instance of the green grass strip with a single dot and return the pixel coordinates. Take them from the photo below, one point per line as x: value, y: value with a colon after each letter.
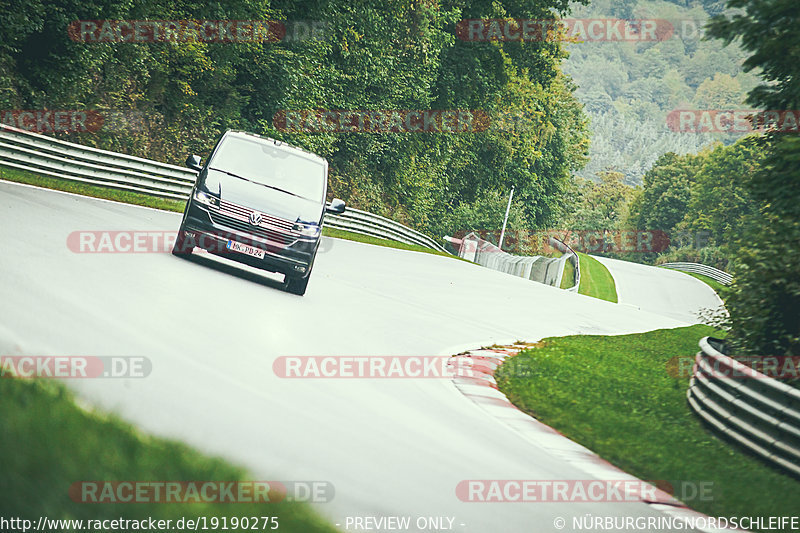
x: 614, y: 395
x: 85, y: 189
x: 48, y: 443
x: 596, y: 280
x: 568, y: 279
x: 368, y: 239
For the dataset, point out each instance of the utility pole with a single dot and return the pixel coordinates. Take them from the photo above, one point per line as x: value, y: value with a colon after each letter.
x: 505, y: 220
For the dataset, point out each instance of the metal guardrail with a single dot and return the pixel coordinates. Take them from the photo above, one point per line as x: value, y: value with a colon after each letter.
x: 55, y: 158
x: 366, y: 223
x: 563, y: 247
x: 74, y: 162
x: 758, y: 412
x: 547, y: 270
x: 696, y: 268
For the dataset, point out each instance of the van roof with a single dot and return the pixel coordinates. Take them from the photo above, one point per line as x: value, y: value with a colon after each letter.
x: 281, y: 144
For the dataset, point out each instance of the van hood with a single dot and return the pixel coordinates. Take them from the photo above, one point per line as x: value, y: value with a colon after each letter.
x: 261, y: 198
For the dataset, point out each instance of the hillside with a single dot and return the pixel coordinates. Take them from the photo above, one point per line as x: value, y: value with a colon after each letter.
x: 629, y: 88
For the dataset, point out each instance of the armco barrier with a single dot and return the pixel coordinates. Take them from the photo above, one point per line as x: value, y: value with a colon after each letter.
x: 696, y: 268
x: 55, y: 158
x: 758, y: 412
x: 74, y: 162
x: 547, y: 270
x: 573, y: 258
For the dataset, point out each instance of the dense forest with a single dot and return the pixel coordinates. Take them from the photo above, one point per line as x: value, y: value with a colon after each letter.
x: 629, y: 88
x: 166, y: 99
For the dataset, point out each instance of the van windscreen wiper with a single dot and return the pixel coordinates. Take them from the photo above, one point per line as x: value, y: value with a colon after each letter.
x: 256, y: 182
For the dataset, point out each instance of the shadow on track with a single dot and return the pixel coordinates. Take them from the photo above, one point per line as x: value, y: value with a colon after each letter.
x: 238, y: 270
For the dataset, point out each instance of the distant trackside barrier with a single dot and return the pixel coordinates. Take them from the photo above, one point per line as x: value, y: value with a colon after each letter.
x: 547, y: 270
x: 696, y: 268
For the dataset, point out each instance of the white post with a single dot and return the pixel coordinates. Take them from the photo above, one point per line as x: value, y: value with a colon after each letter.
x: 505, y: 220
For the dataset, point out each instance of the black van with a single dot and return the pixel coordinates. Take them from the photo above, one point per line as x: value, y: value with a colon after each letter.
x: 260, y: 202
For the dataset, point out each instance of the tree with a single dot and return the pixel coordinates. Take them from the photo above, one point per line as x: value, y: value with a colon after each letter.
x: 765, y: 303
x: 720, y: 205
x: 600, y: 205
x: 666, y: 192
x: 721, y: 92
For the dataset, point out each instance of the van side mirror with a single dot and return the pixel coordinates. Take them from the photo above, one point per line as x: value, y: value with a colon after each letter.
x: 193, y: 162
x: 336, y: 208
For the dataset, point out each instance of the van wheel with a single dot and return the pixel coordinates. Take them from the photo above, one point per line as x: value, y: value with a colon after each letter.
x: 181, y: 248
x: 297, y: 285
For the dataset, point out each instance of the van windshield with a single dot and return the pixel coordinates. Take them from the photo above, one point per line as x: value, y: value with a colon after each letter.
x: 265, y: 163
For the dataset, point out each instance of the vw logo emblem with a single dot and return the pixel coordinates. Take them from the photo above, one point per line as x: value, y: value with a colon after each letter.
x: 255, y: 218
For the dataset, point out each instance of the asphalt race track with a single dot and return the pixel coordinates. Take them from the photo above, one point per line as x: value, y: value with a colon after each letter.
x: 212, y: 332
x: 666, y: 292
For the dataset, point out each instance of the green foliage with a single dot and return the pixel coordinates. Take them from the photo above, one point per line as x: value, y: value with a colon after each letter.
x: 596, y: 280
x: 720, y: 92
x: 49, y: 444
x: 599, y: 205
x: 720, y: 205
x: 768, y: 31
x: 666, y: 192
x: 701, y: 201
x: 485, y: 216
x: 170, y: 98
x: 629, y: 88
x: 765, y: 302
x: 692, y: 249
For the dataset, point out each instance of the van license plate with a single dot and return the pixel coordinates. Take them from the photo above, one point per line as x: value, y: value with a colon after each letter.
x: 245, y: 249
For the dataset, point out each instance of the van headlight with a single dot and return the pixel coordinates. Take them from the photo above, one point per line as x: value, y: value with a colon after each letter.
x: 206, y: 199
x: 309, y: 230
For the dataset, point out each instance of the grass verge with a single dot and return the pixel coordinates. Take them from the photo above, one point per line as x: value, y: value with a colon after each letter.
x: 21, y: 176
x: 613, y: 394
x: 48, y: 443
x: 568, y: 279
x: 596, y: 280
x: 368, y: 239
